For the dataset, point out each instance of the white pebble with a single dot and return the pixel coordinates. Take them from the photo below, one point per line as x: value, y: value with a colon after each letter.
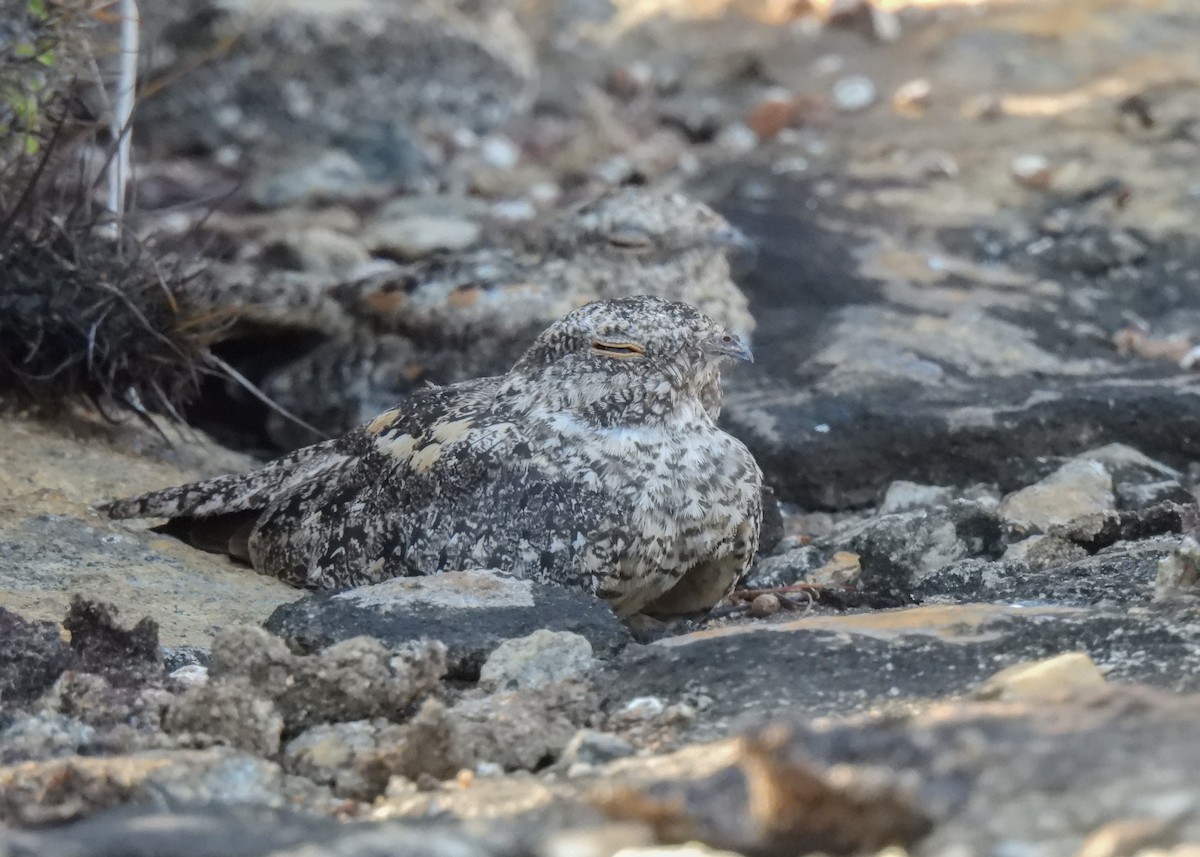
x: 854, y: 92
x: 500, y: 152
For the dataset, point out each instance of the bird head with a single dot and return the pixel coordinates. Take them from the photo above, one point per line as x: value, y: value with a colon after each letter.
x: 646, y: 225
x: 631, y: 360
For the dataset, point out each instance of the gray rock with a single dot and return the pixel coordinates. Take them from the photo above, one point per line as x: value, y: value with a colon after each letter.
x: 1138, y: 480
x: 43, y: 736
x: 231, y: 712
x: 317, y: 250
x: 188, y: 593
x: 519, y: 730
x: 189, y: 675
x: 872, y: 378
x: 1043, y: 551
x: 355, y: 679
x: 415, y: 236
x: 337, y: 755
x: 902, y: 555
x: 786, y: 568
x: 215, y: 830
x: 513, y: 731
x: 827, y: 665
x: 1036, y: 778
x: 593, y: 748
x: 471, y: 612
x: 178, y: 657
x: 71, y: 787
x: 904, y: 496
x: 328, y: 176
x: 1178, y: 575
x: 542, y: 658
x: 302, y: 77
x: 237, y: 831
x: 31, y: 657
x: 1078, y: 488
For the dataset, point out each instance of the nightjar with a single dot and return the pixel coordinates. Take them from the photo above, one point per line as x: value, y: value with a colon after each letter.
x: 595, y: 462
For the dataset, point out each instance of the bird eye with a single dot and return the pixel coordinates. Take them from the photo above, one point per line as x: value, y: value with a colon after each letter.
x: 617, y: 349
x: 629, y: 238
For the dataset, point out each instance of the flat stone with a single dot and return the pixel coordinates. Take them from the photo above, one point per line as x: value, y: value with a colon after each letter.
x: 1047, y: 679
x: 355, y: 679
x: 472, y: 612
x: 1178, y: 575
x: 902, y: 555
x: 904, y: 496
x: 53, y: 472
x: 419, y: 235
x: 891, y: 659
x: 591, y: 748
x: 218, y: 830
x: 544, y: 657
x: 42, y: 736
x: 1078, y: 488
x: 68, y: 788
x: 332, y: 754
x: 328, y: 176
x: 317, y: 250
x: 1138, y: 480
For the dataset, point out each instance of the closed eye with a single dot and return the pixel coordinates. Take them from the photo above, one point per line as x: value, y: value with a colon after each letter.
x: 629, y: 239
x: 617, y: 349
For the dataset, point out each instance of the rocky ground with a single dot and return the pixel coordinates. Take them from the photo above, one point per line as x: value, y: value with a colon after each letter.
x: 976, y: 292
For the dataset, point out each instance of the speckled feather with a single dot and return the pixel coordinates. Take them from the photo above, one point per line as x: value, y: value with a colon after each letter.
x: 595, y: 462
x: 626, y: 242
x: 472, y: 314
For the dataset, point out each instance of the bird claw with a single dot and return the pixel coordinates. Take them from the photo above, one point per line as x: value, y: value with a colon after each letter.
x: 811, y: 594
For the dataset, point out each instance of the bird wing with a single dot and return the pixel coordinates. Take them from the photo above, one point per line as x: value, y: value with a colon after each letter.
x: 236, y: 492
x: 352, y: 528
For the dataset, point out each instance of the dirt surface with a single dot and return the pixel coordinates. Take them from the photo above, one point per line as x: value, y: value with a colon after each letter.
x: 53, y: 547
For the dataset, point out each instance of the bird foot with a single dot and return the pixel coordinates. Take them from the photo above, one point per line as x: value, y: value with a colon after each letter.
x: 797, y: 596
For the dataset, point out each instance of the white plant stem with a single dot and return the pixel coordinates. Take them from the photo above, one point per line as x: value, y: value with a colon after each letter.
x: 122, y: 129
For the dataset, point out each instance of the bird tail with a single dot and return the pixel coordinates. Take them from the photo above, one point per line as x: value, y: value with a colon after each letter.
x: 237, y: 492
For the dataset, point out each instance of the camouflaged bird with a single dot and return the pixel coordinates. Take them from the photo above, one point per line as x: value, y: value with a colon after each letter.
x: 465, y: 315
x: 628, y: 241
x: 595, y: 462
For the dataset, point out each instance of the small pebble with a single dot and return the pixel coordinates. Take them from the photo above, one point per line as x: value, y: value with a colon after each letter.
x: 776, y: 111
x: 737, y: 139
x: 793, y: 165
x: 764, y: 605
x: 853, y: 93
x: 591, y: 748
x: 1031, y: 171
x: 464, y: 138
x: 644, y: 708
x: 912, y: 98
x: 499, y: 152
x: 829, y: 64
x: 514, y: 210
x: 192, y: 675
x: 629, y: 81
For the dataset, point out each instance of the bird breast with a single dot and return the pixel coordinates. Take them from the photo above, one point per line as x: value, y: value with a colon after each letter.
x: 680, y: 479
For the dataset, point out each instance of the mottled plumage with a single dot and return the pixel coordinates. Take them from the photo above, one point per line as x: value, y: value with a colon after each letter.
x: 470, y: 314
x: 596, y: 462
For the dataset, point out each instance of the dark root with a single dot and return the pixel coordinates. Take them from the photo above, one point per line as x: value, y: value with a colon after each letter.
x: 83, y: 314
